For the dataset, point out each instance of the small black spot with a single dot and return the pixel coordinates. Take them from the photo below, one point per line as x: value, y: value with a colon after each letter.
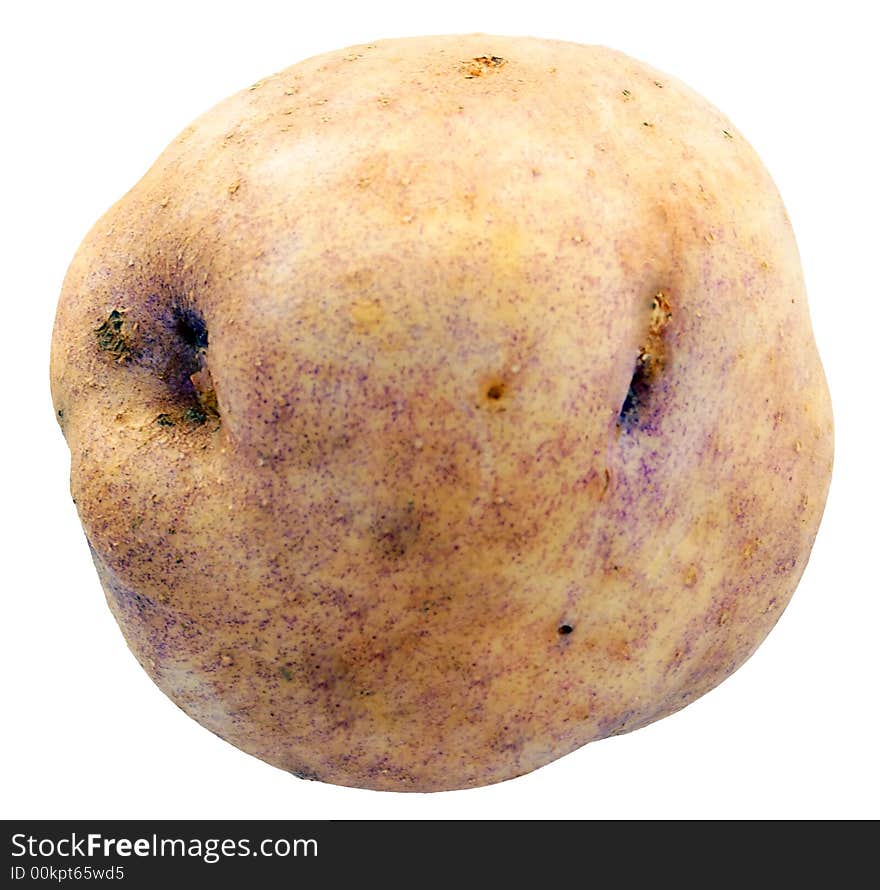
x: 565, y: 629
x: 165, y: 420
x: 60, y: 413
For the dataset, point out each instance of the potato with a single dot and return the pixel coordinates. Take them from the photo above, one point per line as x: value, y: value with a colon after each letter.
x: 437, y: 406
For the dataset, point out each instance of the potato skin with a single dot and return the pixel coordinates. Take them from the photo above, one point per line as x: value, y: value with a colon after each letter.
x: 346, y: 380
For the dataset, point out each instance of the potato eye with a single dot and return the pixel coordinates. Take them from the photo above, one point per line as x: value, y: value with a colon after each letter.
x: 190, y: 326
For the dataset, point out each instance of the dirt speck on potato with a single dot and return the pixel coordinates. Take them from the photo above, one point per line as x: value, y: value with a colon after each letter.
x: 481, y: 64
x: 113, y: 338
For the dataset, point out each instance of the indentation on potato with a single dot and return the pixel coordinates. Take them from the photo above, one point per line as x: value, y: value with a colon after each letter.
x: 564, y: 630
x: 114, y: 336
x: 191, y: 328
x: 186, y: 370
x: 649, y: 364
x: 495, y: 392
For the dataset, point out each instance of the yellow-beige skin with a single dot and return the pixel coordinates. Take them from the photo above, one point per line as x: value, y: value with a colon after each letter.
x: 437, y: 406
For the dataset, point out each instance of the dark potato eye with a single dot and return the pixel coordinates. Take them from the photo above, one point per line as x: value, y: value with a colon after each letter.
x: 649, y: 363
x: 191, y: 328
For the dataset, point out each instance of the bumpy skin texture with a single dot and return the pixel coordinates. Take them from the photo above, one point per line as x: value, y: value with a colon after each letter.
x: 372, y: 482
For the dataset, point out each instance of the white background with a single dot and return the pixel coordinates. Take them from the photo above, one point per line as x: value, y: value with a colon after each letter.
x: 92, y: 93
